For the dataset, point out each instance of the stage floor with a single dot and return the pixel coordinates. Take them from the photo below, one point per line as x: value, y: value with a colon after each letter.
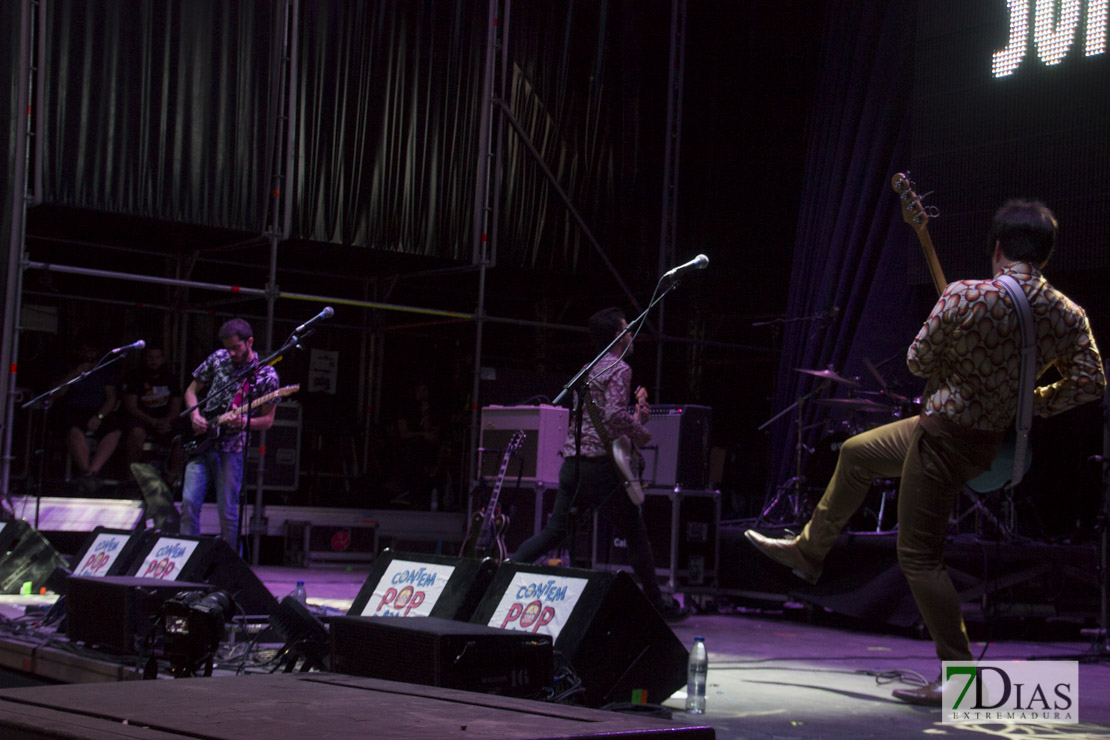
x: 772, y: 674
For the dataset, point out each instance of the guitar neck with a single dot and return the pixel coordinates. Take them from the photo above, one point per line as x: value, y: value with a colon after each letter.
x: 931, y: 259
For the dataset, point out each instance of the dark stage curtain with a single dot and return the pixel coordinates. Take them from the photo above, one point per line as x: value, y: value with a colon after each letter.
x: 158, y: 109
x: 852, y: 245
x: 161, y: 110
x: 388, y: 130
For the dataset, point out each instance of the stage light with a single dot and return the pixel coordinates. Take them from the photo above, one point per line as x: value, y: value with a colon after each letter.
x: 193, y: 626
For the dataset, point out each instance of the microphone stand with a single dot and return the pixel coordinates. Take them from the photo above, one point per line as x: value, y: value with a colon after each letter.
x: 46, y: 399
x: 580, y: 384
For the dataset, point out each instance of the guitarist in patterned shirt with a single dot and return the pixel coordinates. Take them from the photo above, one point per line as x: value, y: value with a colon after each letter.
x: 968, y: 350
x: 221, y: 464
x: 596, y: 485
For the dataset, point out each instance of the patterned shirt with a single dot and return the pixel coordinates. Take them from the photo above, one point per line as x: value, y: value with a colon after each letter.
x: 969, y: 349
x: 215, y: 372
x: 611, y: 389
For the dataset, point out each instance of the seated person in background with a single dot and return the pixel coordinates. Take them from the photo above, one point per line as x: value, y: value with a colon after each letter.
x: 87, y: 412
x: 152, y: 405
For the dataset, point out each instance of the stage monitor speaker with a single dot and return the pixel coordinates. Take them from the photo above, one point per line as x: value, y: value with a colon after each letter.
x: 443, y: 652
x: 613, y: 637
x: 117, y: 613
x: 678, y: 454
x: 403, y: 584
x: 181, y: 557
x: 26, y: 556
x: 110, y: 552
x: 545, y: 430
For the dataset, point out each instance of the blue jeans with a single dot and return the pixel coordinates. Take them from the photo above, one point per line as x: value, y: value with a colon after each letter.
x: 224, y: 470
x: 598, y: 489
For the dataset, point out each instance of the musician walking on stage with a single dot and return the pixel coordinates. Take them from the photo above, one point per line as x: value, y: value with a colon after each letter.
x: 968, y: 349
x: 588, y: 479
x: 221, y: 464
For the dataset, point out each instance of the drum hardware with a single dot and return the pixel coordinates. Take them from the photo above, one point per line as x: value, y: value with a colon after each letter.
x: 831, y: 375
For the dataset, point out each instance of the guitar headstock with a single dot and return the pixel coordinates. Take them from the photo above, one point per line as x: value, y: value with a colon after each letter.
x: 913, y: 212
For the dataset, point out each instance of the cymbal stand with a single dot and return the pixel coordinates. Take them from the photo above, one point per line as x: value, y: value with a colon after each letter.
x: 980, y: 510
x: 791, y: 489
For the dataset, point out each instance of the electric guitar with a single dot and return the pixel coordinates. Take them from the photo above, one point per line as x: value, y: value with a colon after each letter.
x: 485, y: 536
x: 201, y: 443
x: 627, y: 460
x: 913, y: 213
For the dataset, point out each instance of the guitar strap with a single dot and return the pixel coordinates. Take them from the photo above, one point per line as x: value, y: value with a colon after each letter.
x: 1024, y: 418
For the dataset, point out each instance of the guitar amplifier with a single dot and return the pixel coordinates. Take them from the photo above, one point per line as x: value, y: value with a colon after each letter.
x: 678, y: 454
x: 545, y: 430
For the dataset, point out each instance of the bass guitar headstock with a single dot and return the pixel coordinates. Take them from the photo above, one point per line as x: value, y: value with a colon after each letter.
x: 913, y: 212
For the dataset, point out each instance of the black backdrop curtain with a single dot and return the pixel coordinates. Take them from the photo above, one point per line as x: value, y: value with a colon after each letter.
x: 160, y: 110
x: 852, y: 245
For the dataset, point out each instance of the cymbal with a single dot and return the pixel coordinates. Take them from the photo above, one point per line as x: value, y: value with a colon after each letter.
x: 855, y: 404
x: 887, y: 396
x: 829, y: 374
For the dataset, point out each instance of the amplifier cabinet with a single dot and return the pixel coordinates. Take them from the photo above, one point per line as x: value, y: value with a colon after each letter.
x: 282, y: 470
x: 539, y: 460
x: 678, y: 454
x: 683, y: 527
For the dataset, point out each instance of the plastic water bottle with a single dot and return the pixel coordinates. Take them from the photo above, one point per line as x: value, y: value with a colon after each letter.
x: 697, y: 670
x: 299, y: 592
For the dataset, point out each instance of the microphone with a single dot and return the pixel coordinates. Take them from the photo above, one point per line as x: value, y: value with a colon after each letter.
x: 325, y: 314
x: 698, y: 263
x: 128, y: 347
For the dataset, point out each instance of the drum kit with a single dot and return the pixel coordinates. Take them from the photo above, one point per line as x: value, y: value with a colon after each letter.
x: 814, y: 465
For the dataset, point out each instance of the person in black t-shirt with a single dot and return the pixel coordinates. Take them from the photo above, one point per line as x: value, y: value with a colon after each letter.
x: 152, y: 402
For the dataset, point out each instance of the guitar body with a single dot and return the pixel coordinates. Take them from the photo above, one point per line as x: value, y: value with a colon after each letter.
x: 197, y: 444
x: 630, y: 468
x: 486, y: 540
x: 485, y: 535
x: 1002, y: 469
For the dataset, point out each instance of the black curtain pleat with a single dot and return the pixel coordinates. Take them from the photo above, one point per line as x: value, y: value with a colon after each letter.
x: 852, y: 245
x: 157, y: 109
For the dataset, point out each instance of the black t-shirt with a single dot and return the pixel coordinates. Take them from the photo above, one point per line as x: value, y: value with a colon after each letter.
x: 154, y: 389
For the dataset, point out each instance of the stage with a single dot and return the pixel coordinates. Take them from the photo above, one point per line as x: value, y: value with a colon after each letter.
x: 781, y: 670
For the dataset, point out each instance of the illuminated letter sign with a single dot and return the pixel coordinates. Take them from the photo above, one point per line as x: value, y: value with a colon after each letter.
x: 1054, y: 26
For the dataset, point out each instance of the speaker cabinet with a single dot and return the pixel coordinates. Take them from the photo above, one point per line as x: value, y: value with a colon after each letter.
x: 528, y: 510
x: 683, y: 527
x: 442, y: 652
x: 117, y: 613
x: 25, y: 556
x: 678, y: 454
x: 613, y: 637
x: 402, y: 584
x: 545, y: 430
x: 211, y: 560
x: 283, y: 451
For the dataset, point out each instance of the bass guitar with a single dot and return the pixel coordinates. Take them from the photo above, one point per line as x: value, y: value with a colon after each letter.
x: 201, y: 443
x: 914, y: 213
x: 485, y: 536
x: 627, y: 460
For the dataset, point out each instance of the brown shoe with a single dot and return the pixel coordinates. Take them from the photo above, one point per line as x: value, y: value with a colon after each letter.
x: 786, y: 551
x: 929, y: 695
